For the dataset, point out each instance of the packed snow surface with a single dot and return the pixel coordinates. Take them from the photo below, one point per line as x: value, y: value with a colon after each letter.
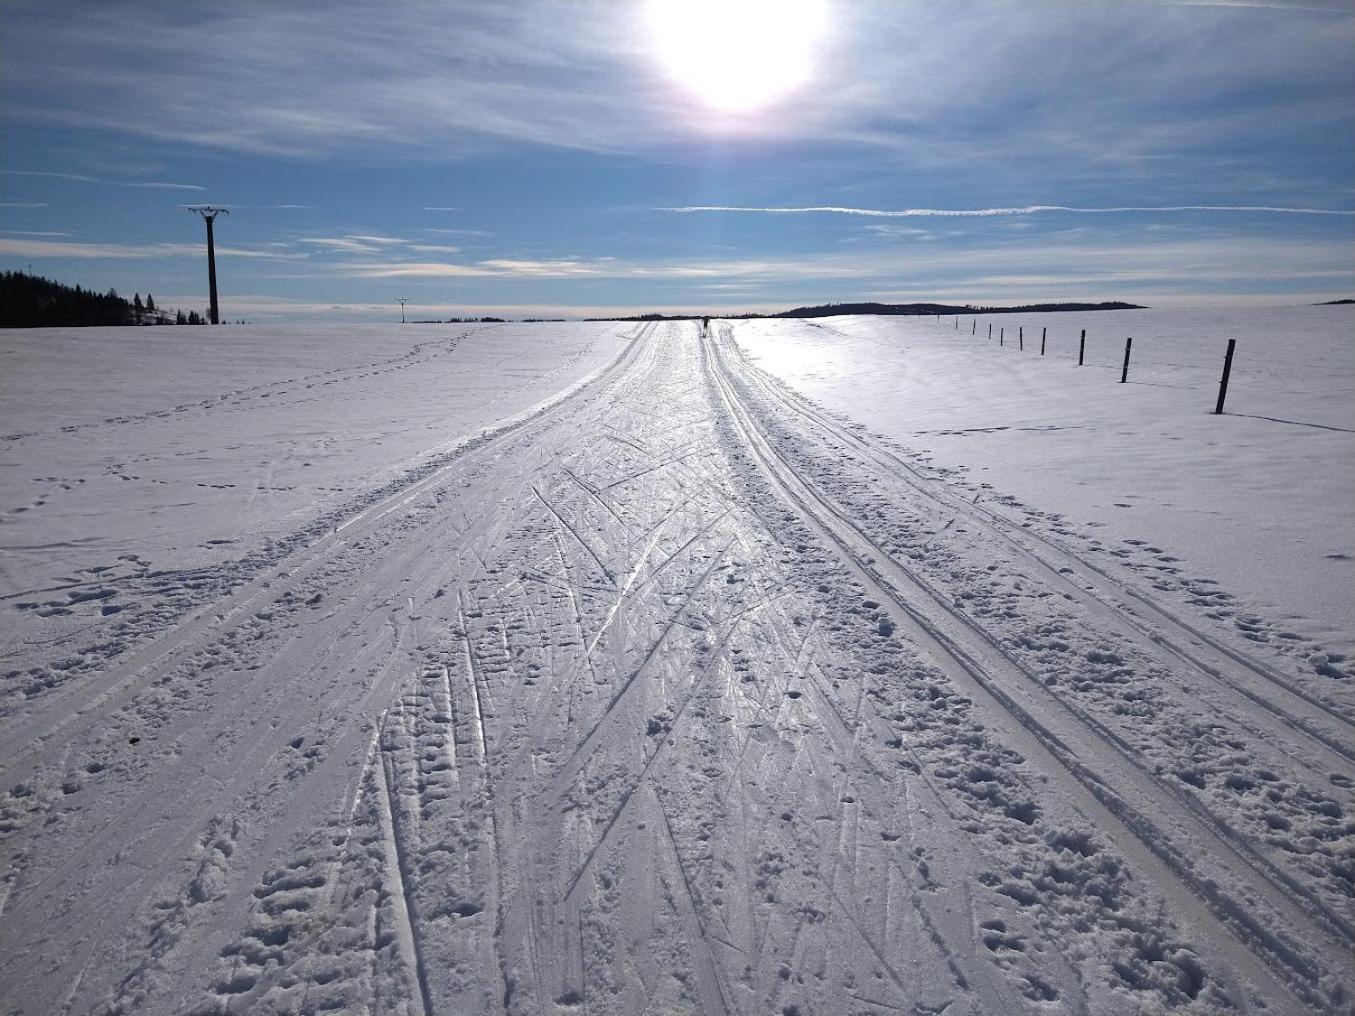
x: 571, y: 668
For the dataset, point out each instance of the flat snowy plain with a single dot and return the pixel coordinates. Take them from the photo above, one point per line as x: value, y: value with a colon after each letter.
x: 842, y: 666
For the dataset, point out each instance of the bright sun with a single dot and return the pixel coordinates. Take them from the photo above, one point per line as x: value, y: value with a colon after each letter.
x: 738, y: 55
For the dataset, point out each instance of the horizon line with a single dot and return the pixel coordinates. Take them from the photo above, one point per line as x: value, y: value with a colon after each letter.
x: 905, y: 213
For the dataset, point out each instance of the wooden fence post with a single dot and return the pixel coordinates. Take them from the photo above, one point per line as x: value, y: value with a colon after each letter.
x: 1002, y: 336
x: 974, y: 329
x: 1124, y: 371
x: 990, y: 331
x: 1044, y: 332
x: 1021, y: 338
x: 1082, y: 347
x: 1223, y: 382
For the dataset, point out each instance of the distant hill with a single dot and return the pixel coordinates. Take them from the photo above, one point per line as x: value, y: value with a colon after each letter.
x: 897, y: 309
x: 1333, y: 303
x: 906, y: 309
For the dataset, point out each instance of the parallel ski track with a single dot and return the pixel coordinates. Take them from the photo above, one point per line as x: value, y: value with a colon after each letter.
x: 1328, y: 730
x: 1334, y: 752
x: 400, y: 871
x: 31, y: 734
x: 1242, y: 934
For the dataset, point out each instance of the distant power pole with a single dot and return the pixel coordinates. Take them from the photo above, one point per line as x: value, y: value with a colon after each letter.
x: 209, y: 213
x: 402, y: 300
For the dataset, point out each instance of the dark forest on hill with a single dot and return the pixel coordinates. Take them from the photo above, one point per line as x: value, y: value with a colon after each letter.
x: 31, y: 301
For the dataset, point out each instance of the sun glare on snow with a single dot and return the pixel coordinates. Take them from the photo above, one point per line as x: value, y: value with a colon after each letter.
x: 737, y: 55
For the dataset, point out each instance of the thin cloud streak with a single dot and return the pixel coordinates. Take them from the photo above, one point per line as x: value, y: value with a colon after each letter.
x: 1258, y: 5
x: 270, y: 307
x: 58, y: 249
x: 237, y: 206
x: 979, y: 213
x: 81, y: 178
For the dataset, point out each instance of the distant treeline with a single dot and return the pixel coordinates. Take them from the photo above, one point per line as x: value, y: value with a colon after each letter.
x: 460, y: 321
x: 30, y: 301
x: 899, y: 309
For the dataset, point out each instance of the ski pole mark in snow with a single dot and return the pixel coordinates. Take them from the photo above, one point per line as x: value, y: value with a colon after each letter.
x: 575, y: 533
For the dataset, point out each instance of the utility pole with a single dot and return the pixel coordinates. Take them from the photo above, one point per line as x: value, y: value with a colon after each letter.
x: 209, y: 214
x: 402, y: 300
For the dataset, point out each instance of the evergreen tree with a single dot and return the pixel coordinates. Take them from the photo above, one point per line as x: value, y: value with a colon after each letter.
x: 150, y: 303
x: 138, y: 310
x: 30, y: 301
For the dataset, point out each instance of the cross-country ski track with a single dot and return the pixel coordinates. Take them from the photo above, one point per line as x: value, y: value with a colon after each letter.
x: 676, y: 694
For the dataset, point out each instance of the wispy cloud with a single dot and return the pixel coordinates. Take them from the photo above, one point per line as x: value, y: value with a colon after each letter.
x: 1196, y: 116
x: 263, y: 307
x: 239, y: 206
x: 1083, y: 259
x: 346, y: 244
x: 380, y: 241
x: 968, y: 213
x: 58, y: 249
x: 1256, y: 4
x: 81, y: 178
x: 945, y: 79
x: 458, y: 232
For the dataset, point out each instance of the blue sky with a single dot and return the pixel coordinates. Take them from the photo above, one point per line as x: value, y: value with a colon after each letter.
x: 567, y: 158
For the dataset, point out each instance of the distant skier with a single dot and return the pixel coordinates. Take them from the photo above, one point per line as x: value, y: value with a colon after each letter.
x: 705, y: 326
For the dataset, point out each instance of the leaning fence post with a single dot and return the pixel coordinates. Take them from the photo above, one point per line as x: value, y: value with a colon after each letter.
x: 1044, y: 332
x: 1002, y: 336
x: 1021, y: 338
x: 1223, y: 382
x: 990, y: 331
x: 1124, y: 371
x: 974, y: 329
x: 1082, y: 347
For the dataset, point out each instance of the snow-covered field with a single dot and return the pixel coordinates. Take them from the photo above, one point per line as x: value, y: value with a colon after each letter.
x: 151, y: 449
x: 1261, y: 500
x: 362, y: 673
